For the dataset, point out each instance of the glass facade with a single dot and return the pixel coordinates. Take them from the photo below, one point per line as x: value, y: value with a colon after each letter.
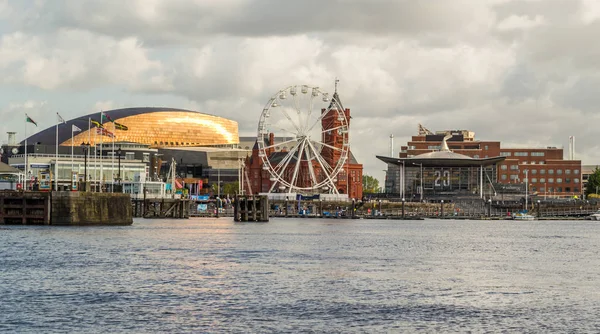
x: 167, y: 129
x: 439, y: 181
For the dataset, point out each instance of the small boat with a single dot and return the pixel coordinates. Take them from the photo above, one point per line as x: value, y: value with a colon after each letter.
x: 523, y: 215
x: 594, y: 216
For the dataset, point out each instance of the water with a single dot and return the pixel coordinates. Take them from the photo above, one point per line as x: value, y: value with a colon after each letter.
x: 298, y: 275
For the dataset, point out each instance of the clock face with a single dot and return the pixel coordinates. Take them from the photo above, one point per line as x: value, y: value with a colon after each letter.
x: 15, y: 150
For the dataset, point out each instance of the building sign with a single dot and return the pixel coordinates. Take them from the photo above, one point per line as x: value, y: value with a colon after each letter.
x: 45, y: 181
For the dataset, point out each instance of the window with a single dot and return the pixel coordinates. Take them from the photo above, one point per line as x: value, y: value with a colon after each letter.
x: 503, y: 177
x: 577, y: 172
x: 129, y: 155
x: 568, y: 180
x: 534, y: 180
x: 559, y: 180
x: 433, y: 147
x: 576, y: 180
x: 476, y: 156
x: 559, y: 172
x: 525, y: 171
x: 503, y: 167
x: 568, y: 171
x: 146, y: 157
x: 551, y: 180
x: 534, y: 171
x: 505, y: 154
x: 521, y: 154
x: 568, y: 189
x: 533, y: 189
x: 543, y: 172
x: 551, y: 171
x: 537, y: 154
x: 542, y: 180
x: 514, y: 167
x: 486, y: 147
x: 533, y: 162
x: 514, y: 177
x: 541, y: 162
x: 559, y: 189
x: 576, y: 189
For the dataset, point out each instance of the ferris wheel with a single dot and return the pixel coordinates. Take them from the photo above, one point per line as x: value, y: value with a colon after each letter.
x: 303, y: 140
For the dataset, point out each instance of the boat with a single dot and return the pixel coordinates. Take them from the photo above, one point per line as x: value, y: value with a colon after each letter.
x: 594, y: 216
x: 523, y: 215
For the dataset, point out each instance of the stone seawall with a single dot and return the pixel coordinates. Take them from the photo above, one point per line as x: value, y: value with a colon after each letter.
x: 86, y: 208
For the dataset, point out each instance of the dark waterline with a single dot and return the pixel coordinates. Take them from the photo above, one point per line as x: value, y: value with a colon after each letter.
x: 293, y: 275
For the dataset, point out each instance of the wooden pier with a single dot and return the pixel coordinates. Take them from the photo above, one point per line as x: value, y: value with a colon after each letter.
x: 25, y: 208
x: 161, y: 208
x: 251, y: 209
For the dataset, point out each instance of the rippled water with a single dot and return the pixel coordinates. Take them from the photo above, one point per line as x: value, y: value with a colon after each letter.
x: 293, y: 275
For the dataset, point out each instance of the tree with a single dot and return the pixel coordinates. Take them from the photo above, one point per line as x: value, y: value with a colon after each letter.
x: 370, y: 184
x: 593, y: 183
x: 230, y: 188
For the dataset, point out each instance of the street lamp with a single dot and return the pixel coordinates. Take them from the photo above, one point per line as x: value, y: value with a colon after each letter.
x: 86, y: 147
x: 119, y: 151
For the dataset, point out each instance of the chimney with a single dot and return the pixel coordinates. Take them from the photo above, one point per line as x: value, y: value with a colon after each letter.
x: 11, y: 138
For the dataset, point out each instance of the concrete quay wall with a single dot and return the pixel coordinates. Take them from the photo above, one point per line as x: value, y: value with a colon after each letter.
x: 86, y: 208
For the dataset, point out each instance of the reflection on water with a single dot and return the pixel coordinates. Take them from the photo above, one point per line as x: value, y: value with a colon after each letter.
x: 301, y: 274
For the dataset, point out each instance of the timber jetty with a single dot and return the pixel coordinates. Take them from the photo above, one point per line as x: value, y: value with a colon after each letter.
x: 64, y: 208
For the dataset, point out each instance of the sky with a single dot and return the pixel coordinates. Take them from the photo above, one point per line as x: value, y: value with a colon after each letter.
x: 524, y: 72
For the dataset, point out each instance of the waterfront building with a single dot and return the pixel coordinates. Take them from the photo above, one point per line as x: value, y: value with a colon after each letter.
x: 550, y: 175
x: 204, y: 147
x: 348, y: 181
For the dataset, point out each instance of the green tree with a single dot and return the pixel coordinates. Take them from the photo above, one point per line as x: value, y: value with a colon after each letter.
x: 230, y: 188
x: 593, y: 183
x: 370, y: 184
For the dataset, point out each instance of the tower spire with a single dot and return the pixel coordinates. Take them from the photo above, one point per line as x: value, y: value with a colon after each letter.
x: 336, y: 83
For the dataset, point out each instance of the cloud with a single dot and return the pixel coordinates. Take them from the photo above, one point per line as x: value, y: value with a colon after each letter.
x: 520, y: 71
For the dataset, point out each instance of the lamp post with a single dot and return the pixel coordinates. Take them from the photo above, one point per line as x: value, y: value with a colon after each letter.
x: 442, y: 209
x: 403, y: 200
x: 86, y: 147
x: 490, y: 207
x: 538, y: 208
x: 119, y: 172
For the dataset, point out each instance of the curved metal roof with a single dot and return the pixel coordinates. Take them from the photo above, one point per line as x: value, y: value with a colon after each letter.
x: 442, y: 160
x: 48, y: 136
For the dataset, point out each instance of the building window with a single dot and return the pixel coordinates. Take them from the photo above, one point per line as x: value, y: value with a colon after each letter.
x: 568, y: 180
x: 576, y: 190
x: 577, y: 172
x: 503, y: 177
x: 521, y: 154
x: 534, y: 171
x: 551, y: 171
x: 559, y: 172
x: 503, y: 167
x: 533, y: 189
x: 486, y: 147
x: 559, y: 189
x: 476, y: 156
x: 559, y: 180
x: 146, y: 157
x: 534, y: 180
x: 525, y: 171
x: 514, y: 167
x: 551, y: 180
x: 537, y: 154
x: 542, y: 171
x: 576, y: 180
x: 514, y: 177
x: 541, y: 162
x: 568, y: 189
x: 542, y: 180
x: 568, y: 171
x: 129, y: 155
x: 505, y: 154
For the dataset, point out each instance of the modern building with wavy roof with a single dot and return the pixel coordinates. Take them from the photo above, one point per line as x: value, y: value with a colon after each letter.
x: 153, y: 126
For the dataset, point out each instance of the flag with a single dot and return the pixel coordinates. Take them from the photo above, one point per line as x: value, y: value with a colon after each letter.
x: 97, y: 124
x: 74, y: 128
x: 104, y: 132
x: 105, y: 118
x: 119, y: 126
x: 60, y: 119
x: 30, y: 120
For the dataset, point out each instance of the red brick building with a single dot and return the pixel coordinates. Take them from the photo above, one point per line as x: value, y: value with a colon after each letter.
x: 349, y: 179
x: 549, y: 173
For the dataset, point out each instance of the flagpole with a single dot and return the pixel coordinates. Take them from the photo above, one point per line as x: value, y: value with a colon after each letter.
x: 72, y: 164
x: 25, y: 178
x: 95, y: 156
x: 89, y: 148
x: 101, y: 156
x: 56, y: 158
x: 113, y: 156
